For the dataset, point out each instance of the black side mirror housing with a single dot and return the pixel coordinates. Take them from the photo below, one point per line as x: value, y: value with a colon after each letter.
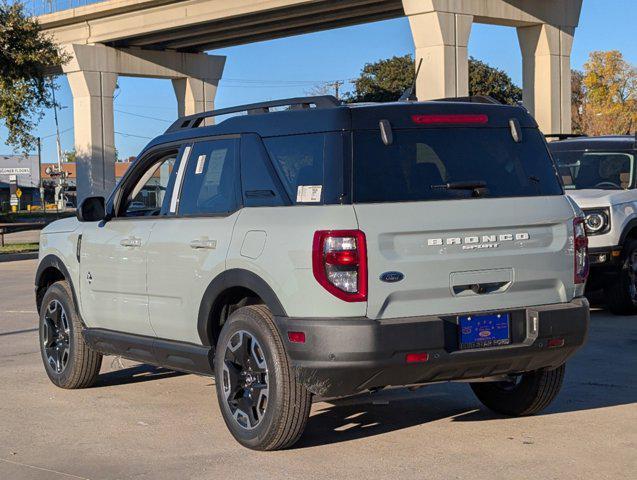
x: 92, y: 209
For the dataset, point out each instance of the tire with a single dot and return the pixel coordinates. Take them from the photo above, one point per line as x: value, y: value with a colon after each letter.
x: 532, y: 392
x: 253, y: 373
x: 68, y: 361
x: 621, y: 294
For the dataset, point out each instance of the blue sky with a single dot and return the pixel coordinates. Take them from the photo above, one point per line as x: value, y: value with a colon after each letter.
x: 292, y: 66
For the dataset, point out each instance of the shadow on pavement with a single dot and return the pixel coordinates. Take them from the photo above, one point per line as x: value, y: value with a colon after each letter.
x: 17, y: 332
x: 603, y: 374
x: 136, y: 374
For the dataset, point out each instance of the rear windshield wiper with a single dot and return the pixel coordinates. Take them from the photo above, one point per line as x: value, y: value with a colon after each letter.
x: 478, y: 187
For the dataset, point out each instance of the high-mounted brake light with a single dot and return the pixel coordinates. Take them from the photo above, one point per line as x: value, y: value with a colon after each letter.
x: 450, y: 118
x: 419, y: 357
x: 580, y: 247
x: 339, y: 263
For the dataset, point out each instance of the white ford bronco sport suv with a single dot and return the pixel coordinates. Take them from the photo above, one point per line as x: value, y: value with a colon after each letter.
x: 326, y: 249
x: 599, y: 174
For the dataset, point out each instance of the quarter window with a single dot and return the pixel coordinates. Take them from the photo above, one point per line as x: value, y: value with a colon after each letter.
x: 298, y: 160
x: 210, y: 180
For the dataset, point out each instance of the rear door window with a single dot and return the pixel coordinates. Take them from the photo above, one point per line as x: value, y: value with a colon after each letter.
x: 210, y: 179
x: 419, y: 162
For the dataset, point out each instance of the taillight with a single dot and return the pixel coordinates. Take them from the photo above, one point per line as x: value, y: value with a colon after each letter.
x: 339, y: 263
x: 580, y: 246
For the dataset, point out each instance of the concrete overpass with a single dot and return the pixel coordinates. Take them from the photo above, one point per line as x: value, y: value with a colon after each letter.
x: 166, y: 38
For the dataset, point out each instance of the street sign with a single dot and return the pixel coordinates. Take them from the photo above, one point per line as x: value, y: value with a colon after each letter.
x: 18, y: 193
x: 13, y: 201
x: 15, y: 171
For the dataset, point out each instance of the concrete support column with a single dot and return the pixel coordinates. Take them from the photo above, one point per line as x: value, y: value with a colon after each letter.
x: 441, y: 40
x: 546, y: 72
x: 94, y: 131
x: 194, y: 95
x: 92, y: 72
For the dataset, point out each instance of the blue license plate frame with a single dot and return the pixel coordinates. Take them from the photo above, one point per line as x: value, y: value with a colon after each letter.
x: 484, y: 330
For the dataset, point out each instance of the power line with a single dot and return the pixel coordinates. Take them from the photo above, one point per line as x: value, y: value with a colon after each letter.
x: 133, y: 135
x: 142, y: 116
x: 278, y: 81
x: 54, y: 134
x: 138, y: 105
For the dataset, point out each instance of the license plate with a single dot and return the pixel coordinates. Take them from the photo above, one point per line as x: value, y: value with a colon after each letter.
x: 481, y: 331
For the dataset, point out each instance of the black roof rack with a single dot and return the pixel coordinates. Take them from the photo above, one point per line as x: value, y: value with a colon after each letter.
x: 564, y: 136
x: 194, y: 121
x: 471, y: 99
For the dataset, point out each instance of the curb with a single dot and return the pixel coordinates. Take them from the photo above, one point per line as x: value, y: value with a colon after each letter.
x: 14, y: 257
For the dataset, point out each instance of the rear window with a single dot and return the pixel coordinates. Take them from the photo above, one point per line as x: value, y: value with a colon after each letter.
x: 420, y: 161
x: 596, y: 169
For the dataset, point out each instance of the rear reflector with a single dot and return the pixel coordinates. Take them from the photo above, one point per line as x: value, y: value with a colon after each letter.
x: 420, y: 357
x: 296, y: 337
x: 479, y: 118
x: 555, y: 342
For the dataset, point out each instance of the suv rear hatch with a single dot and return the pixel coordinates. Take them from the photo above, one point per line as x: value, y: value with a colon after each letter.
x: 465, y: 203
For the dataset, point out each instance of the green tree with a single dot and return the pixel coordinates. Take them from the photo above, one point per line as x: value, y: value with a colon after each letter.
x: 386, y: 80
x: 25, y: 55
x: 492, y: 82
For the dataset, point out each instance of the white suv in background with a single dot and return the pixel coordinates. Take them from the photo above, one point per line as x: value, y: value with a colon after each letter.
x: 599, y: 174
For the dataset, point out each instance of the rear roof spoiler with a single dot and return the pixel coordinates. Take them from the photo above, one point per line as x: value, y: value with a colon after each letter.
x: 471, y: 99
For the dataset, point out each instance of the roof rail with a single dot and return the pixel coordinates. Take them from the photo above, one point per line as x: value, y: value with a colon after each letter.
x: 194, y: 121
x: 470, y: 99
x: 564, y: 136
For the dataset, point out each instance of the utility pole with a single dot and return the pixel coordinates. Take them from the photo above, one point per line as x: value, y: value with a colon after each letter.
x: 337, y: 85
x: 57, y: 127
x: 40, y: 186
x: 59, y: 189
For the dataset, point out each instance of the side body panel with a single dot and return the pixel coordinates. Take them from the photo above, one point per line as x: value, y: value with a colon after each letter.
x: 113, y: 275
x: 275, y: 243
x: 60, y: 239
x: 184, y: 256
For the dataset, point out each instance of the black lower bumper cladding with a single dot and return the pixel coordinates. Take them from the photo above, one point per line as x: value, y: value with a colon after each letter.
x: 343, y: 356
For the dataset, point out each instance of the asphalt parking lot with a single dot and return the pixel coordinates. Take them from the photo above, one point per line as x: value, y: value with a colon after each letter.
x: 145, y: 423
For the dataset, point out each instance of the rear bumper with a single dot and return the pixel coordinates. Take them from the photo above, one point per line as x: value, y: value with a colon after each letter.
x: 342, y: 356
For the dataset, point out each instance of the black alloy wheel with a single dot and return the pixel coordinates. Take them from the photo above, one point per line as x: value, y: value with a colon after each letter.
x: 245, y: 379
x: 56, y: 341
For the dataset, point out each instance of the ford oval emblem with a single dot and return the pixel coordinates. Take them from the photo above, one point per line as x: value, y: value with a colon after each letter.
x: 392, y: 277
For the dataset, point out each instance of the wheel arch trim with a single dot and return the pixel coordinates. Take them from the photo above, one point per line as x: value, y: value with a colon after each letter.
x: 236, y: 277
x: 53, y: 261
x: 631, y: 225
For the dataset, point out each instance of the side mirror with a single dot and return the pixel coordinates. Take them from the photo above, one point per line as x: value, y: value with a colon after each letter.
x: 91, y: 210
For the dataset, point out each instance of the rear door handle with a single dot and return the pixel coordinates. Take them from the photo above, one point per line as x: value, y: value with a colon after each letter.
x: 131, y: 242
x: 203, y: 243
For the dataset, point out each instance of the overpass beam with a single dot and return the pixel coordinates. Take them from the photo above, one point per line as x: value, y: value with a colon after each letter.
x: 441, y: 40
x: 546, y: 73
x: 94, y: 131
